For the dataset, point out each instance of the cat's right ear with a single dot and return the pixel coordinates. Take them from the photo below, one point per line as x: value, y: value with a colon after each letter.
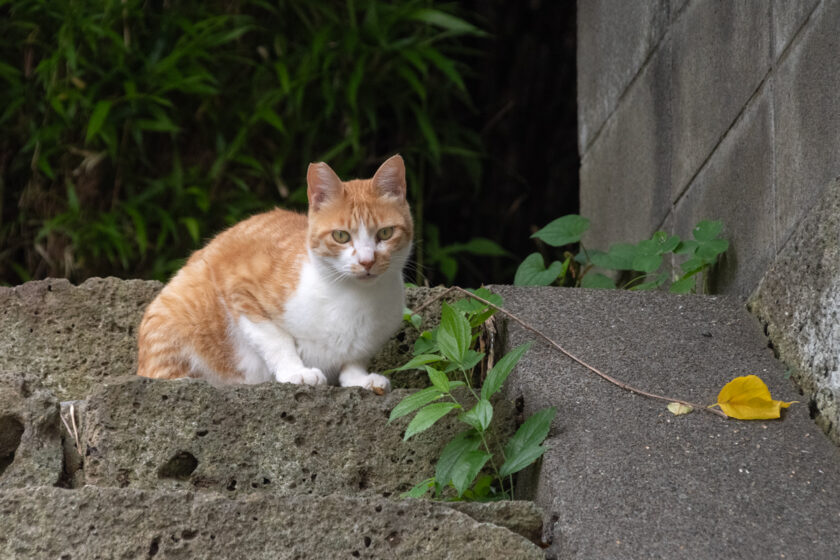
x: 322, y: 184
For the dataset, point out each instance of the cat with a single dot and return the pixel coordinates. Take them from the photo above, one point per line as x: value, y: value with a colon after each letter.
x: 295, y: 298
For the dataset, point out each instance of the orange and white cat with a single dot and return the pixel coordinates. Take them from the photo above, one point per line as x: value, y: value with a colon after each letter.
x: 290, y: 297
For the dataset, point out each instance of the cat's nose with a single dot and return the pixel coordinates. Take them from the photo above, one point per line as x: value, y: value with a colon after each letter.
x: 367, y: 263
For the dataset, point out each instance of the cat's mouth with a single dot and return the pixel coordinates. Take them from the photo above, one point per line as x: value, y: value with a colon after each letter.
x: 367, y: 277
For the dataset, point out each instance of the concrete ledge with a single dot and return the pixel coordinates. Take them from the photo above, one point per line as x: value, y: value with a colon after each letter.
x: 128, y: 523
x: 622, y: 477
x: 30, y: 433
x: 73, y: 338
x: 799, y: 302
x: 271, y: 438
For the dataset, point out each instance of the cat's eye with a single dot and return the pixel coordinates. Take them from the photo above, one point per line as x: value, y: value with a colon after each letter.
x: 385, y: 233
x: 341, y: 236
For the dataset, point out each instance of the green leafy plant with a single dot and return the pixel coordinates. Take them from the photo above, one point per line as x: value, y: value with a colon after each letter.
x: 448, y: 356
x: 133, y: 131
x: 641, y: 263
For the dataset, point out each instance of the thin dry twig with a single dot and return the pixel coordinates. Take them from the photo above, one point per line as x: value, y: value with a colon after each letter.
x: 74, y: 431
x: 556, y: 346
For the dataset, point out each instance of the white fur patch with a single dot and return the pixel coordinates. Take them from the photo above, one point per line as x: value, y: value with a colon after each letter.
x: 339, y: 321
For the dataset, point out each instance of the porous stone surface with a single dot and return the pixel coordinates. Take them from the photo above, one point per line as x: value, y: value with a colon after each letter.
x: 130, y: 523
x: 274, y: 437
x: 520, y: 516
x: 74, y: 337
x: 799, y: 302
x: 30, y: 433
x: 624, y: 478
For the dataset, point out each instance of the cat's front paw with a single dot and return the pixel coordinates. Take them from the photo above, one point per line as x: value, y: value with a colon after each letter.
x: 379, y: 384
x: 302, y: 376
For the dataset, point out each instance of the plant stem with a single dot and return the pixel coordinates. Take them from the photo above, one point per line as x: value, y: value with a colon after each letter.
x: 556, y: 346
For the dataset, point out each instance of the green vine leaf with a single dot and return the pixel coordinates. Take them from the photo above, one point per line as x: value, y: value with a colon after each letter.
x: 427, y: 416
x: 525, y: 446
x: 532, y: 271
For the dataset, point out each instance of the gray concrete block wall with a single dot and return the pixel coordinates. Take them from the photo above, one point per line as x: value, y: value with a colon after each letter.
x: 733, y: 114
x: 708, y: 110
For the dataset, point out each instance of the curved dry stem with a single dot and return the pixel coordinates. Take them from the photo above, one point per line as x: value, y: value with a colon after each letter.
x: 556, y: 346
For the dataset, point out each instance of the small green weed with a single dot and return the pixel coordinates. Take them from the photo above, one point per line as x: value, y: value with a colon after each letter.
x: 641, y: 262
x: 447, y: 352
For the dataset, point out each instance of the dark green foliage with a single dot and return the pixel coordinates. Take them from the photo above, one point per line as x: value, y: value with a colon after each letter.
x: 640, y: 262
x: 133, y: 131
x: 444, y: 351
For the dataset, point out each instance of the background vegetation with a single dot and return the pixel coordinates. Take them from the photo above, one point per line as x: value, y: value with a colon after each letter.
x: 134, y: 130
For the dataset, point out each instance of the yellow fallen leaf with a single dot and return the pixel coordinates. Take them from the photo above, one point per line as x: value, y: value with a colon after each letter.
x: 748, y: 398
x: 678, y: 409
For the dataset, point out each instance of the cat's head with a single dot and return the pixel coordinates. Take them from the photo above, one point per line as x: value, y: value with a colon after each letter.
x: 359, y: 229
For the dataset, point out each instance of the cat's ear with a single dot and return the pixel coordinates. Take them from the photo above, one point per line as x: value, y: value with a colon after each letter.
x: 322, y: 184
x: 389, y: 179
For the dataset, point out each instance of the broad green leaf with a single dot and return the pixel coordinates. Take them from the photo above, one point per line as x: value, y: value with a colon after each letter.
x: 410, y: 316
x: 484, y: 293
x: 707, y: 230
x: 596, y: 281
x: 418, y: 361
x: 481, y: 488
x: 563, y: 231
x: 479, y: 416
x: 427, y: 416
x: 496, y: 377
x: 652, y: 284
x: 524, y: 447
x: 619, y: 257
x: 659, y: 244
x: 710, y: 250
x: 467, y: 468
x: 454, y: 334
x: 683, y: 285
x: 647, y: 263
x: 532, y: 271
x: 414, y: 401
x: 426, y: 343
x: 419, y: 490
x: 687, y: 247
x: 483, y: 246
x: 471, y: 359
x: 524, y: 458
x: 464, y: 442
x: 97, y: 118
x: 693, y: 265
x: 438, y: 379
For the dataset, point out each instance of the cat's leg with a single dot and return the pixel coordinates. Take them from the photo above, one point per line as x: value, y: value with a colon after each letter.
x: 355, y: 375
x: 277, y: 349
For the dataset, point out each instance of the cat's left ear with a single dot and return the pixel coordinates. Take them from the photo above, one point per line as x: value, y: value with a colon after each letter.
x: 389, y: 179
x: 322, y: 184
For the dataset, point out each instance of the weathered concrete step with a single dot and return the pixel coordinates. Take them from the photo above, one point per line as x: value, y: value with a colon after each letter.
x: 95, y: 522
x: 274, y: 437
x: 76, y: 337
x: 623, y: 478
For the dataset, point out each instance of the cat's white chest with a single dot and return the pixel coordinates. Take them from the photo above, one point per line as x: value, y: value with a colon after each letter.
x: 336, y: 323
